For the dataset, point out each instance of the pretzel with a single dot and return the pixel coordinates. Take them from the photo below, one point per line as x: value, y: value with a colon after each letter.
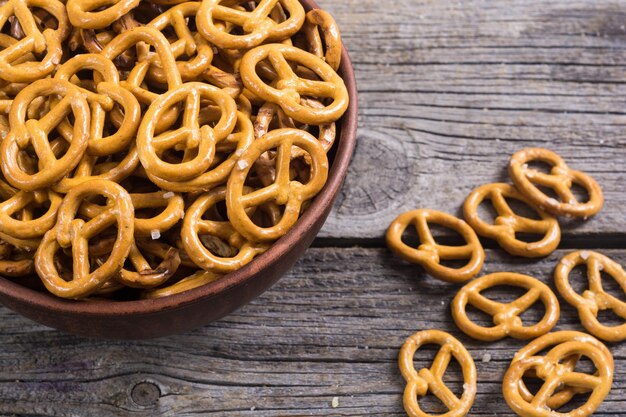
x: 194, y: 225
x: 27, y: 227
x: 291, y: 194
x: 14, y: 263
x: 36, y: 133
x: 73, y: 232
x: 429, y: 254
x: 506, y: 317
x: 419, y: 383
x: 13, y: 66
x: 555, y: 370
x: 81, y: 12
x: 145, y: 276
x: 595, y: 298
x: 560, y: 179
x: 565, y: 392
x: 197, y: 50
x: 319, y: 22
x: 507, y: 224
x: 197, y: 279
x: 289, y: 88
x: 190, y: 136
x: 257, y: 26
x: 108, y: 93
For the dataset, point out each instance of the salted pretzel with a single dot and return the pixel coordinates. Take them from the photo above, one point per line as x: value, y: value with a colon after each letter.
x: 506, y: 316
x: 560, y: 179
x: 107, y: 93
x: 429, y: 254
x: 35, y: 132
x: 195, y: 225
x: 594, y: 299
x: 145, y: 275
x: 283, y: 191
x: 195, y: 280
x: 197, y: 140
x: 419, y: 383
x: 555, y: 370
x: 24, y: 203
x: 564, y: 392
x: 36, y: 40
x: 75, y: 233
x: 508, y: 224
x: 97, y: 14
x: 323, y: 37
x: 193, y: 46
x: 257, y: 25
x: 288, y: 88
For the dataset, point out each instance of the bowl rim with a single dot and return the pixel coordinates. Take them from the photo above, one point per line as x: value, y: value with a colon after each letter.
x: 109, y: 308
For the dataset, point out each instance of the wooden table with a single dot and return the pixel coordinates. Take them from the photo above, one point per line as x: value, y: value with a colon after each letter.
x: 448, y: 90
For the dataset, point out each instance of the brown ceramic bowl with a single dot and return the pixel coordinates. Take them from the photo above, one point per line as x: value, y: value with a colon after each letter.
x: 200, y: 306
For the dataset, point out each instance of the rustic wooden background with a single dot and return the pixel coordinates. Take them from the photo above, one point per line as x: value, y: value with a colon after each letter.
x: 448, y: 90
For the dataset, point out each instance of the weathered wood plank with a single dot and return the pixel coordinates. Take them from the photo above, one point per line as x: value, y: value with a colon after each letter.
x: 331, y: 328
x: 448, y: 90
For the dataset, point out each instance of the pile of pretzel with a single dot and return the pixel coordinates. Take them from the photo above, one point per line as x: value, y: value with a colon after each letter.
x: 550, y: 357
x: 159, y: 144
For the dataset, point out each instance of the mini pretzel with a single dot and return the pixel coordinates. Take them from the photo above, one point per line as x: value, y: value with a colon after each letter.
x: 317, y: 21
x: 429, y: 254
x: 27, y: 227
x: 508, y: 224
x: 289, y: 88
x: 14, y: 263
x: 195, y: 280
x: 565, y: 392
x: 194, y: 225
x: 554, y: 369
x: 257, y: 25
x: 190, y: 136
x: 284, y: 191
x: 419, y: 383
x: 73, y: 232
x: 506, y: 317
x: 13, y: 67
x: 145, y: 276
x: 595, y: 298
x: 560, y: 179
x: 35, y: 132
x: 97, y: 14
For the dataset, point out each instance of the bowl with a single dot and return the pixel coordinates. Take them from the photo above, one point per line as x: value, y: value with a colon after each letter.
x: 188, y: 310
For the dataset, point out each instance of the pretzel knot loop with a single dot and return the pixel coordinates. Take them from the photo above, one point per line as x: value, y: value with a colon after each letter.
x: 288, y: 88
x: 419, y: 383
x: 429, y: 254
x: 36, y: 132
x: 560, y: 179
x: 508, y: 224
x: 506, y: 317
x: 74, y: 232
x: 257, y: 26
x: 556, y: 371
x: 37, y: 40
x: 594, y: 299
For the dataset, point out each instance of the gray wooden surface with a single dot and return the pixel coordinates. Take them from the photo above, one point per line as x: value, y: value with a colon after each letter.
x: 448, y: 90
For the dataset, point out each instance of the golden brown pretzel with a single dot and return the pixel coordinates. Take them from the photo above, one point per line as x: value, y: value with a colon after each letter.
x: 419, y: 383
x: 195, y: 226
x: 15, y: 263
x: 317, y: 21
x: 507, y: 224
x: 283, y: 191
x: 23, y: 202
x: 429, y: 254
x: 34, y: 132
x: 555, y: 370
x: 506, y: 317
x: 257, y: 25
x: 288, y: 89
x: 195, y: 280
x: 560, y: 179
x: 73, y: 232
x: 145, y: 275
x: 97, y: 14
x: 13, y: 66
x: 595, y: 299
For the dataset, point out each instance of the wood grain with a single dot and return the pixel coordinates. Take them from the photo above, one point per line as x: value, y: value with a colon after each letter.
x: 331, y: 328
x: 449, y: 90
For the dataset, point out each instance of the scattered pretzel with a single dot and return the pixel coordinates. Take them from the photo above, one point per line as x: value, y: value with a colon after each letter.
x: 560, y: 179
x: 595, y: 298
x: 506, y: 317
x: 429, y: 254
x: 419, y: 383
